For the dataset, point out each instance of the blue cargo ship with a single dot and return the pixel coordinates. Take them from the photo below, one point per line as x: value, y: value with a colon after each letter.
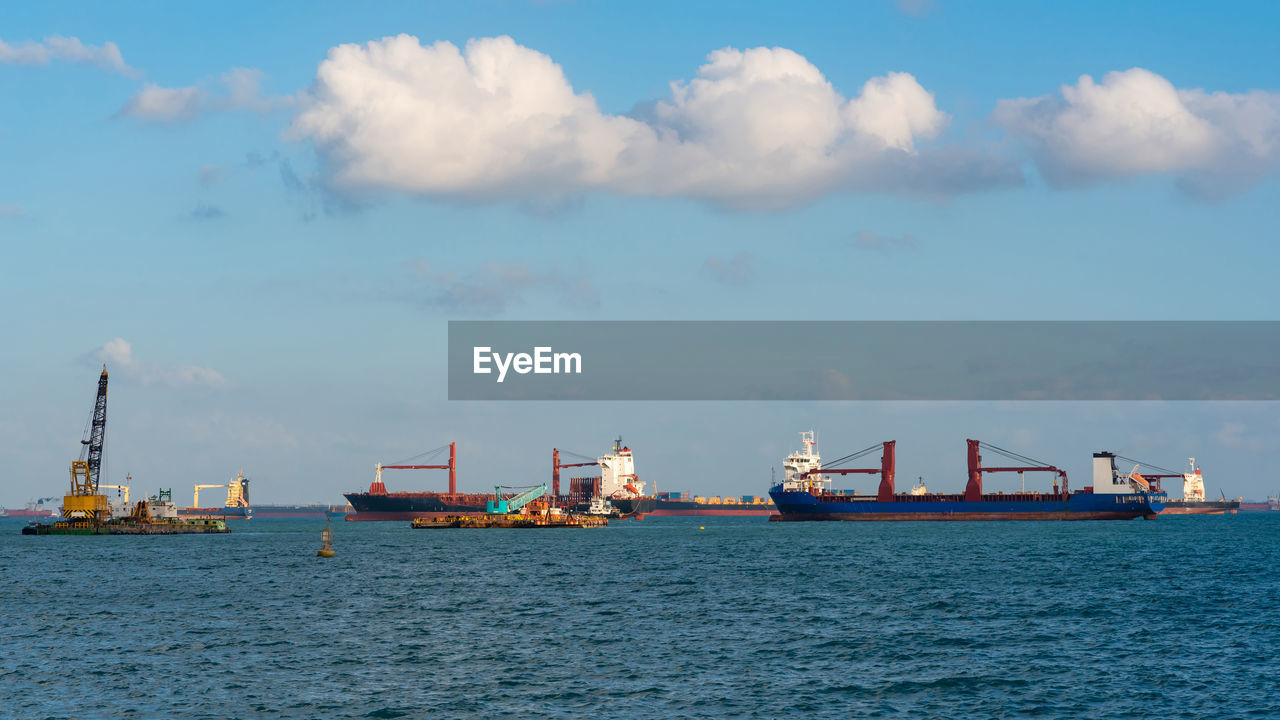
x: 805, y: 494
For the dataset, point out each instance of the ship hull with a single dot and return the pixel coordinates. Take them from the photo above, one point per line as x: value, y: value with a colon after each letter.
x: 685, y: 508
x: 226, y: 513
x: 804, y: 506
x: 289, y: 511
x: 631, y: 507
x: 386, y: 507
x: 1201, y: 507
x: 29, y: 514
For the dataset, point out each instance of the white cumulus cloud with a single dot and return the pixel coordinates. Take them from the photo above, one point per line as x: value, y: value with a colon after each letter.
x: 496, y: 119
x: 117, y: 356
x: 65, y: 49
x: 1136, y: 122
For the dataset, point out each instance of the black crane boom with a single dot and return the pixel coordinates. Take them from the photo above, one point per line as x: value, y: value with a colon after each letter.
x: 98, y: 432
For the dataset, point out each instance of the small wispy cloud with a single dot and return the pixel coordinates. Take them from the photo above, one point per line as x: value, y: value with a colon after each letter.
x: 206, y: 212
x: 213, y: 174
x: 737, y: 270
x: 117, y: 355
x: 493, y: 286
x: 236, y: 89
x: 12, y: 210
x: 917, y: 8
x: 1240, y: 436
x: 867, y: 240
x: 57, y: 48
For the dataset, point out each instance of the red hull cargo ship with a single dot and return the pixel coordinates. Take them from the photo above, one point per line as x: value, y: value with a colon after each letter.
x: 378, y: 504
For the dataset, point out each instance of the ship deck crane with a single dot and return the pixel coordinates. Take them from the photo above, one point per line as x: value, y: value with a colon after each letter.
x: 123, y: 490
x: 888, y: 461
x: 378, y: 488
x: 556, y: 466
x: 973, y: 489
x: 84, y: 501
x: 513, y: 504
x: 195, y: 498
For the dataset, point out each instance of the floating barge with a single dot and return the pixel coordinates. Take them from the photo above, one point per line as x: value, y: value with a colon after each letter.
x: 86, y: 511
x: 528, y: 509
x: 509, y: 521
x: 805, y: 492
x: 126, y: 526
x: 157, y: 515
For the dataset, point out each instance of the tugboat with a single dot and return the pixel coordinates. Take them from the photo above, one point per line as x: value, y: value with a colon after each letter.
x: 600, y: 507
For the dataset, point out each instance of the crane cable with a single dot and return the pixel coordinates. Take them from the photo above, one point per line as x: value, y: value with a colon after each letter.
x: 849, y: 458
x: 429, y: 455
x: 1167, y: 471
x: 1015, y: 456
x: 578, y: 456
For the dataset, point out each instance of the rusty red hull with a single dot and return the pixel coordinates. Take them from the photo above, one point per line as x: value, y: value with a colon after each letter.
x: 408, y: 515
x: 1209, y: 507
x: 410, y: 505
x: 713, y: 512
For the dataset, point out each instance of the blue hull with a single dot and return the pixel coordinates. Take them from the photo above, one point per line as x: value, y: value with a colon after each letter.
x: 801, y: 505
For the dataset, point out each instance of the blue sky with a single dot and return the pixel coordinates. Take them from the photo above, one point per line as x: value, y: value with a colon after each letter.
x: 197, y: 191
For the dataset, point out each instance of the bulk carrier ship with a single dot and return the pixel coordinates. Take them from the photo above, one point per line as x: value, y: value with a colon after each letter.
x: 1193, y: 501
x: 378, y: 504
x: 617, y: 484
x: 805, y: 492
x: 617, y: 491
x: 235, y: 507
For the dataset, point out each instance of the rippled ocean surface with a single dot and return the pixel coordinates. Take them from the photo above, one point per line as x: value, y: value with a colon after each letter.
x: 1173, y: 618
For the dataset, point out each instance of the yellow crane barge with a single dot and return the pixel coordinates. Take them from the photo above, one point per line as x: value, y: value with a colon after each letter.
x: 85, y: 510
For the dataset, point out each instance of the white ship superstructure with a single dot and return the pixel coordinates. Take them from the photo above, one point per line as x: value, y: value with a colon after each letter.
x: 1193, y: 483
x: 162, y: 507
x: 618, y: 479
x: 800, y: 462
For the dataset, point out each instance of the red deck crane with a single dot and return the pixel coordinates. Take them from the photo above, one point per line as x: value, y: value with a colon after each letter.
x: 379, y: 488
x: 556, y: 466
x: 973, y: 490
x: 887, y: 463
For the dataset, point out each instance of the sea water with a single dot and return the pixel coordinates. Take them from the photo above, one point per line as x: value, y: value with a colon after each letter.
x: 660, y: 618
